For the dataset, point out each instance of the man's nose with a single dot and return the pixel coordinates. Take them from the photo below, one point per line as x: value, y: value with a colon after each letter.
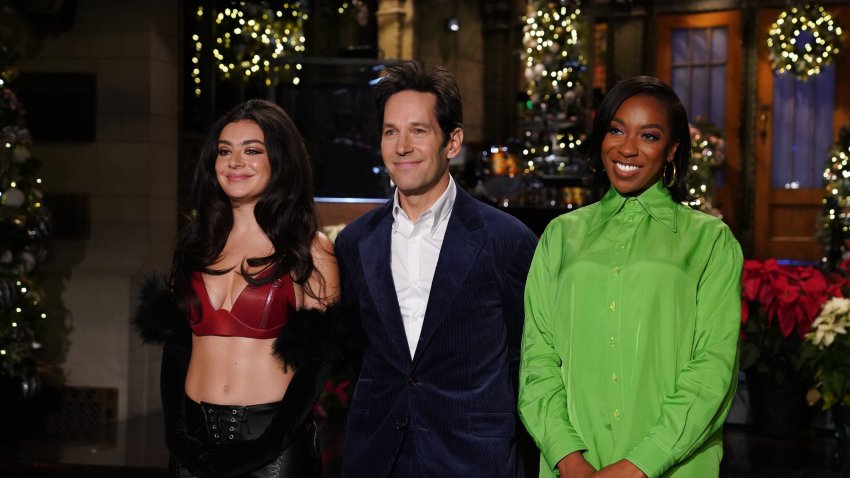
x: 403, y: 145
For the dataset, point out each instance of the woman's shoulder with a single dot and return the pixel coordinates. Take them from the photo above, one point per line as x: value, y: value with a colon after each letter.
x: 703, y: 224
x: 578, y: 218
x: 322, y: 244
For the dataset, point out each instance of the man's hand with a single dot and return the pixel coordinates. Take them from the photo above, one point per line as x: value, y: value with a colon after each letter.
x: 620, y: 469
x: 575, y: 466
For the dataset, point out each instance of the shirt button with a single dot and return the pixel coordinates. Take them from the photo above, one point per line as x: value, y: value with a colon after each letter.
x: 622, y: 245
x: 613, y: 378
x: 612, y: 342
x: 617, y: 414
x: 616, y: 271
x: 613, y: 305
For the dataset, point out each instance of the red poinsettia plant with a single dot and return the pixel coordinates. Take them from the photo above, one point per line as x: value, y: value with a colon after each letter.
x: 334, y: 398
x: 779, y: 304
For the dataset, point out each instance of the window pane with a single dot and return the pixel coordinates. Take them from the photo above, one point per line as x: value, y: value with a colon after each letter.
x: 718, y: 45
x: 802, y: 128
x: 699, y: 45
x: 681, y: 85
x: 717, y: 109
x: 699, y: 92
x: 680, y: 46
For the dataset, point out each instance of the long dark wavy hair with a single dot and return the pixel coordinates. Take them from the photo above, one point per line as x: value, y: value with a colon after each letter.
x: 677, y: 118
x: 284, y: 212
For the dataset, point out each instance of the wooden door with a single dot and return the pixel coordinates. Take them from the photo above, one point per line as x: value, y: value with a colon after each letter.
x: 785, y: 223
x: 721, y: 70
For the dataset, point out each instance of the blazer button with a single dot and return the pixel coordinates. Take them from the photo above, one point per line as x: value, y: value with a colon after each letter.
x: 412, y: 381
x: 401, y: 425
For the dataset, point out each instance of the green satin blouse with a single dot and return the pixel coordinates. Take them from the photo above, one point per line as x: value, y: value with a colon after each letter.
x: 630, y: 345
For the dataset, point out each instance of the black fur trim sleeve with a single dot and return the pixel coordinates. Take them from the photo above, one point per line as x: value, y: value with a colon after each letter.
x: 332, y: 335
x: 158, y: 317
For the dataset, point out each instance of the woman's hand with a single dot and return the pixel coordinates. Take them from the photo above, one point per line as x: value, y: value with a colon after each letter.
x: 620, y: 469
x: 575, y: 466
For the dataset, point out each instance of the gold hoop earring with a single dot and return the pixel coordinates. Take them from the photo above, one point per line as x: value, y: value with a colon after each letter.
x: 672, y: 180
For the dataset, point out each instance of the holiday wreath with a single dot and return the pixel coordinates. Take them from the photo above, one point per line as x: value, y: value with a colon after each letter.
x: 802, y: 40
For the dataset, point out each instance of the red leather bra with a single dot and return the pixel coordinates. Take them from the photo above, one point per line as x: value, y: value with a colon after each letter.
x: 258, y: 313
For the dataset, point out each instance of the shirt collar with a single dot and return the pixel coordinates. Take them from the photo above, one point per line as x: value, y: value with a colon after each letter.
x: 657, y: 201
x: 440, y: 209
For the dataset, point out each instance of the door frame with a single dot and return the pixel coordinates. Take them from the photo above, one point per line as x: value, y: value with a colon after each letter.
x: 730, y: 194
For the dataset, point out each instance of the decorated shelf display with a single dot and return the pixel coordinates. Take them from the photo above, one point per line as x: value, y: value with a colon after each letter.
x: 802, y: 40
x: 708, y: 154
x: 556, y: 109
x: 835, y: 213
x: 249, y: 38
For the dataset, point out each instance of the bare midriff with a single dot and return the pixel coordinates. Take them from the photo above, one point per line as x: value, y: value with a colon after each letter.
x: 235, y: 371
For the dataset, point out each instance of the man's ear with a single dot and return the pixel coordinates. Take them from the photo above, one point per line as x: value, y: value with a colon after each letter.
x: 454, y: 143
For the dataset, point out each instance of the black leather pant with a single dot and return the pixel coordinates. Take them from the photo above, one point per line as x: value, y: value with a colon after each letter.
x: 223, y: 423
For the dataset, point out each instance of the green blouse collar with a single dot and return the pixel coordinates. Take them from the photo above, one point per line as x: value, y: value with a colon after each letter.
x: 656, y: 200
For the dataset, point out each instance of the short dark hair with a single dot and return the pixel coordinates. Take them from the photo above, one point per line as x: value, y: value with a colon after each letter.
x: 411, y: 75
x: 677, y: 118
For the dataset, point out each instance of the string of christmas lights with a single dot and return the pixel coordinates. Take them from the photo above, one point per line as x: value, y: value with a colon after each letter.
x: 553, y: 65
x: 25, y: 223
x: 835, y: 213
x: 708, y: 153
x: 803, y: 40
x: 249, y: 37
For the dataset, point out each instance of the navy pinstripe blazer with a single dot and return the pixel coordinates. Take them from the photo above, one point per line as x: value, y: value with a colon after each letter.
x: 458, y: 392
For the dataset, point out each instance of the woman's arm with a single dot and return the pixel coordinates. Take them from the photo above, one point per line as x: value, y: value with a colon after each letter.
x: 705, y: 387
x: 542, y: 396
x: 324, y: 283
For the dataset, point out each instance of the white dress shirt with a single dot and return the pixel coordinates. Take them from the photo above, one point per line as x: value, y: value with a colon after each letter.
x: 415, y: 250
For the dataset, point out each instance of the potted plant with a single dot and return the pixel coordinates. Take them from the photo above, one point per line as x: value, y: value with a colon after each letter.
x: 779, y: 304
x: 827, y: 351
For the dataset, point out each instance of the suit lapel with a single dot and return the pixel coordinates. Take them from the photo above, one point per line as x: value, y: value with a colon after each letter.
x: 463, y: 241
x: 375, y: 255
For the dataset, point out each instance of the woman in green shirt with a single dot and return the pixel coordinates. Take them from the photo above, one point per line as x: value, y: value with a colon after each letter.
x: 630, y: 347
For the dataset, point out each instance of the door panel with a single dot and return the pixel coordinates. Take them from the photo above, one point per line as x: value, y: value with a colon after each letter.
x: 786, y: 214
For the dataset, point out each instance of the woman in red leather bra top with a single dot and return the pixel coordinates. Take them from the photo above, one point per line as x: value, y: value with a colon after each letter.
x: 249, y: 258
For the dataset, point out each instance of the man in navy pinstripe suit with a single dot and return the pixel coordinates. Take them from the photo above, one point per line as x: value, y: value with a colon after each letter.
x: 438, y: 278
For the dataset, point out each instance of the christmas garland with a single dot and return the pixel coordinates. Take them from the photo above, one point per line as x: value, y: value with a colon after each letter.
x: 708, y: 153
x: 802, y: 40
x: 835, y: 214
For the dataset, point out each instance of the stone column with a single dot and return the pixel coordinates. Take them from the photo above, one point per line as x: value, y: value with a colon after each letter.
x: 395, y: 28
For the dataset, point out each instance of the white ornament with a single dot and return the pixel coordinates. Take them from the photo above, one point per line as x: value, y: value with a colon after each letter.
x: 27, y: 261
x: 20, y: 155
x: 13, y: 197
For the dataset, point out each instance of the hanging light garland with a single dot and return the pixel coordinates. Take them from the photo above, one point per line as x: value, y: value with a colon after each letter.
x: 803, y: 40
x: 551, y: 53
x: 553, y: 63
x: 708, y: 153
x: 249, y: 37
x: 835, y: 213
